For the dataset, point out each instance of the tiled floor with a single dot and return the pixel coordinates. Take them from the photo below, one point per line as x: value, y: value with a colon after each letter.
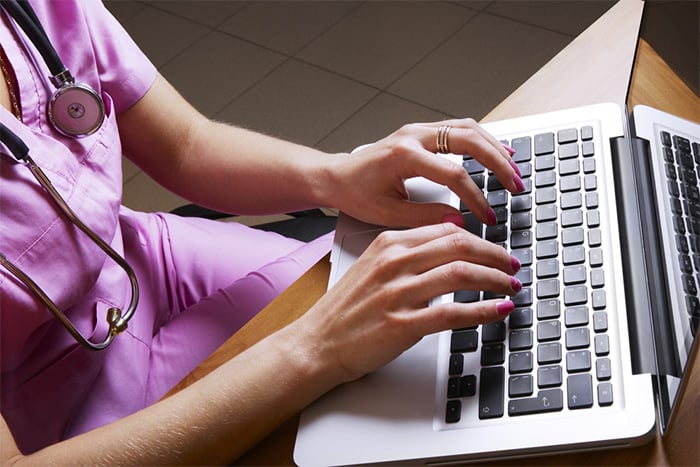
x: 336, y: 74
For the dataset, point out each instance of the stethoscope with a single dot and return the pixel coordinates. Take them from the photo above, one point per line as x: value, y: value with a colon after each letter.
x: 77, y: 111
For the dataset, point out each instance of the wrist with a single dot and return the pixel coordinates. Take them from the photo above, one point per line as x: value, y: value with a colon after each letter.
x: 328, y: 178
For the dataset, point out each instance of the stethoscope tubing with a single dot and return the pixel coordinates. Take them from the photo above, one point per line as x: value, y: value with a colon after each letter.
x: 117, y: 320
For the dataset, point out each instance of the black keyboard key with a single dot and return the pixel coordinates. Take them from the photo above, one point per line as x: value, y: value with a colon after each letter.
x: 579, y: 389
x: 491, y: 392
x: 547, y: 249
x: 666, y: 139
x: 546, y: 231
x: 567, y: 151
x: 605, y: 394
x: 568, y: 135
x: 473, y: 224
x: 523, y: 298
x: 453, y: 411
x: 493, y: 332
x: 493, y: 354
x: 549, y: 376
x: 520, y: 385
x: 548, y: 309
x: 571, y: 200
x: 520, y: 221
x: 573, y: 236
x: 520, y: 203
x: 588, y: 149
x: 472, y: 166
x: 549, y: 353
x: 545, y: 163
x: 571, y: 218
x: 575, y: 274
x: 524, y: 276
x: 547, y: 268
x: 548, y: 288
x: 578, y: 360
x: 547, y: 400
x: 575, y: 295
x: 497, y: 198
x: 600, y: 321
x: 570, y: 183
x: 545, y: 179
x: 466, y: 296
x: 569, y: 167
x: 520, y: 362
x: 547, y: 212
x: 524, y: 255
x: 545, y: 195
x: 573, y: 255
x: 456, y: 364
x: 548, y: 331
x: 577, y: 338
x: 598, y: 299
x: 576, y: 316
x: 603, y: 372
x: 586, y: 133
x: 520, y: 339
x: 453, y: 387
x: 496, y: 233
x: 592, y: 200
x: 522, y: 149
x: 520, y: 318
x: 464, y: 341
x: 544, y: 143
x: 601, y: 344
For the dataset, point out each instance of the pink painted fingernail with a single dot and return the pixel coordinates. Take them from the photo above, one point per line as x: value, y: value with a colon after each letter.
x: 518, y: 183
x: 505, y: 308
x: 491, y: 216
x: 516, y: 285
x: 456, y: 219
x: 510, y: 150
x: 515, y: 263
x: 515, y: 168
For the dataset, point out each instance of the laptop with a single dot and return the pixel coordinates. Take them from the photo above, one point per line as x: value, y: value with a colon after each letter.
x: 594, y: 355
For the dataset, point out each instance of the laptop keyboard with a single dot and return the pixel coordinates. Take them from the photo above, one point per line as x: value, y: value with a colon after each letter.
x: 552, y: 352
x: 681, y: 157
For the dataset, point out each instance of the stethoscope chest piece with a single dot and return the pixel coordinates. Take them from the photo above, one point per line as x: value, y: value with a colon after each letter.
x: 76, y: 110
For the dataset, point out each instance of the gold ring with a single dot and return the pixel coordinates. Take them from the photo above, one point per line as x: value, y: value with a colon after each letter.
x: 442, y: 146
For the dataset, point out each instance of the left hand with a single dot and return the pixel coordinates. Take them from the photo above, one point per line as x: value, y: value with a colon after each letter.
x: 369, y: 184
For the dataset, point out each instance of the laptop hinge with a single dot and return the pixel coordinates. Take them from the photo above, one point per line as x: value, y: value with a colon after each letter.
x: 648, y: 313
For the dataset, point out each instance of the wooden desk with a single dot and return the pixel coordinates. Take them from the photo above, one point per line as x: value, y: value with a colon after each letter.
x: 680, y: 445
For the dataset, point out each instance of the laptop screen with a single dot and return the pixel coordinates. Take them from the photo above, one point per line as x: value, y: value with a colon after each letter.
x: 671, y: 29
x: 670, y: 44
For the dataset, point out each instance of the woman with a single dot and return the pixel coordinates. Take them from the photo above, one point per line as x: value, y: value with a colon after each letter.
x: 200, y: 281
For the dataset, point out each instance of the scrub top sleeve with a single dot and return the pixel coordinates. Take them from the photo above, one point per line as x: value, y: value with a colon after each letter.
x: 125, y: 72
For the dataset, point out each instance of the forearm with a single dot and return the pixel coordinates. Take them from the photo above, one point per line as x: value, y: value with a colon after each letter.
x: 221, y: 166
x: 250, y: 173
x: 211, y: 422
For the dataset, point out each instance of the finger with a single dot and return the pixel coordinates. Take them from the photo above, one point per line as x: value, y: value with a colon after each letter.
x: 463, y: 246
x: 454, y: 315
x: 461, y: 275
x: 468, y: 137
x: 422, y: 162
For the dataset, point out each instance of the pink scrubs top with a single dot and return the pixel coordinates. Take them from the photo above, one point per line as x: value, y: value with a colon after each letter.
x: 200, y: 280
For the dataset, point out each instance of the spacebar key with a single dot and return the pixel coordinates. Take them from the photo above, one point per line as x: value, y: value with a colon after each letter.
x: 491, y: 389
x: 549, y: 400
